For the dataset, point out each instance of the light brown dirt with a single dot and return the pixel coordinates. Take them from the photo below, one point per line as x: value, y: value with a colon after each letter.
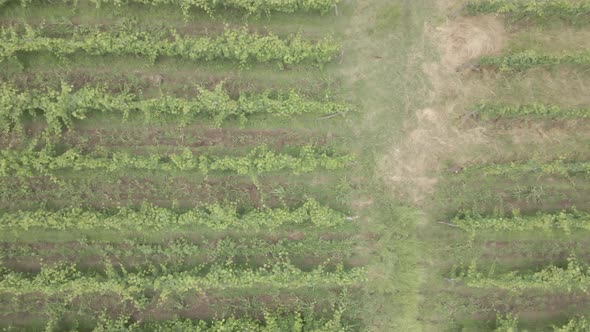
x: 467, y: 38
x: 415, y: 165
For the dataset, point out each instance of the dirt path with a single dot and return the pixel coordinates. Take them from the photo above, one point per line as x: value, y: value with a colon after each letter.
x: 417, y: 162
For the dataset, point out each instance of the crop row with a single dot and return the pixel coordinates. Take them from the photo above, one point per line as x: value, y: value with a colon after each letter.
x: 567, y: 10
x: 574, y: 325
x: 491, y: 111
x: 555, y: 167
x: 67, y: 283
x: 251, y: 7
x: 528, y: 59
x: 272, y: 321
x: 149, y: 217
x: 295, y: 322
x: 62, y: 107
x: 509, y: 323
x: 542, y: 221
x: 99, y: 190
x: 177, y: 254
x: 573, y: 277
x: 259, y: 160
x: 231, y: 45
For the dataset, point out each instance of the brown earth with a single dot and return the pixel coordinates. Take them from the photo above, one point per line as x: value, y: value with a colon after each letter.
x: 435, y: 134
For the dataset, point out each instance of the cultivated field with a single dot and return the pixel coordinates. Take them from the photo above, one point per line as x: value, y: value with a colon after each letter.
x: 510, y: 215
x: 183, y: 166
x: 294, y: 165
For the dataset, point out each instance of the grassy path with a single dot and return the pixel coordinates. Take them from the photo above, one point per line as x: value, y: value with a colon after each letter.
x: 382, y: 69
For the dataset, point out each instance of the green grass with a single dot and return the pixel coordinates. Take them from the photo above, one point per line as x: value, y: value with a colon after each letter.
x: 389, y: 86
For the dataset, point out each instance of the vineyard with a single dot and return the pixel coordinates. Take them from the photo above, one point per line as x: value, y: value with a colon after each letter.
x: 573, y: 277
x: 62, y: 108
x: 288, y: 6
x: 555, y: 167
x: 240, y: 46
x: 529, y: 59
x: 570, y: 11
x: 205, y: 185
x: 538, y: 111
x: 511, y: 209
x: 153, y: 218
x: 259, y: 160
x: 294, y: 165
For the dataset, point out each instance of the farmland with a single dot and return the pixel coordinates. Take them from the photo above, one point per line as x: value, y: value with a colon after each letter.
x: 317, y: 165
x: 196, y: 166
x: 508, y: 216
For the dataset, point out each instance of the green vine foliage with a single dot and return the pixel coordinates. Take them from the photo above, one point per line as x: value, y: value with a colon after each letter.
x: 232, y: 45
x: 509, y: 323
x: 61, y: 108
x: 67, y: 283
x: 574, y: 277
x: 293, y: 322
x: 565, y: 221
x: 506, y: 323
x: 491, y: 111
x: 581, y: 324
x: 278, y: 320
x: 149, y: 217
x: 176, y: 254
x: 259, y: 160
x: 559, y: 166
x: 209, y: 6
x: 566, y: 10
x: 251, y: 7
x: 529, y: 59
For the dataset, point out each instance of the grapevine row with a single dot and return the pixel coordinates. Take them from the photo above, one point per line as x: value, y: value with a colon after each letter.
x: 573, y: 277
x: 490, y: 111
x: 509, y: 323
x: 232, y: 45
x: 555, y: 167
x: 149, y: 217
x: 251, y: 7
x: 67, y: 283
x: 60, y: 108
x: 542, y: 221
x: 506, y: 323
x: 528, y: 59
x: 297, y: 321
x: 259, y: 160
x: 177, y: 251
x: 568, y: 10
x: 574, y: 325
